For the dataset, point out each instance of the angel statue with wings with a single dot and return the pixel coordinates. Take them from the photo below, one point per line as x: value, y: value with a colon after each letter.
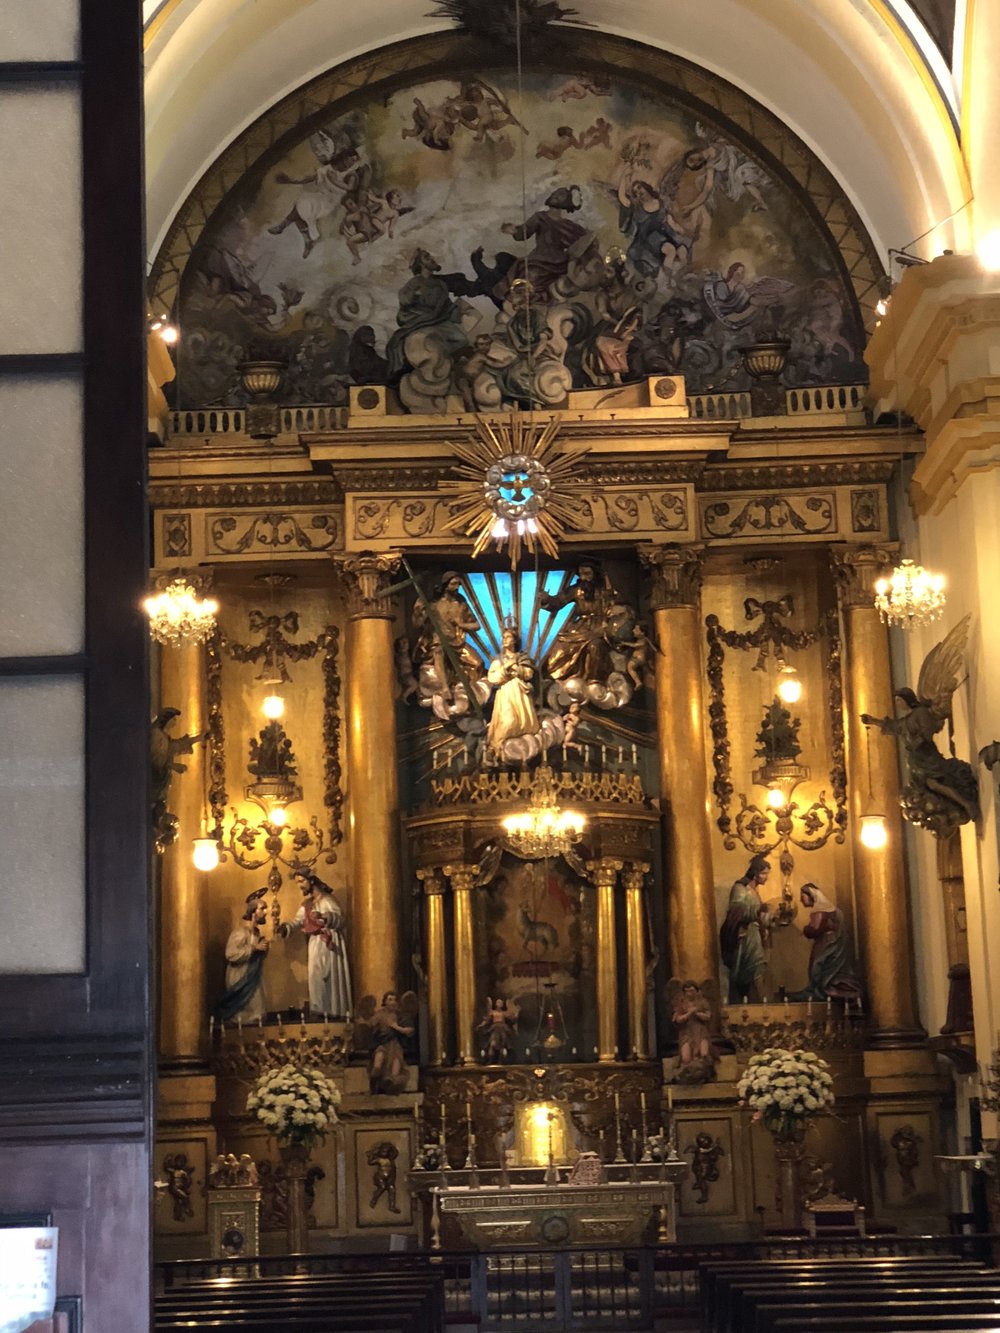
x: 381, y: 1028
x: 943, y: 791
x: 692, y: 1004
x: 500, y: 1025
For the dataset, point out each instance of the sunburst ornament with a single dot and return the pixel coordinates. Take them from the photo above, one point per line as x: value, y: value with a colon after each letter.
x: 514, y: 488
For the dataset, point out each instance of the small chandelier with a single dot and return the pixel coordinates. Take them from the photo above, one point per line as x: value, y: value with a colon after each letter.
x: 910, y: 595
x: 543, y: 830
x: 177, y: 614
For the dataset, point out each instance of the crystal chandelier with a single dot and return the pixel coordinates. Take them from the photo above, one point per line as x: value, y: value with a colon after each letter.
x: 177, y: 614
x: 543, y: 830
x: 910, y: 595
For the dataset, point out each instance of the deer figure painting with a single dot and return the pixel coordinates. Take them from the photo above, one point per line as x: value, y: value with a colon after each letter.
x: 536, y: 932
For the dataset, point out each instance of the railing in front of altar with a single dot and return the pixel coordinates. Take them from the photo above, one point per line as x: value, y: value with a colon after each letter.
x: 575, y: 1288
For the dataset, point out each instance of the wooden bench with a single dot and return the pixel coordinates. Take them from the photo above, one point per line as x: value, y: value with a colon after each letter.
x: 850, y: 1310
x: 917, y: 1323
x: 754, y: 1298
x: 721, y: 1281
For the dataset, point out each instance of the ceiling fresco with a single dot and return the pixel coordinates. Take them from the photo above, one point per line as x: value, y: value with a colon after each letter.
x: 473, y: 243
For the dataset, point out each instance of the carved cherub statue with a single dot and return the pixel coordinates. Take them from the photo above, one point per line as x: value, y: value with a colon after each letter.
x: 943, y: 791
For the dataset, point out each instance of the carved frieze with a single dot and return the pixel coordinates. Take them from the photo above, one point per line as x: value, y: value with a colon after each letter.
x: 378, y: 521
x: 811, y: 513
x: 234, y: 533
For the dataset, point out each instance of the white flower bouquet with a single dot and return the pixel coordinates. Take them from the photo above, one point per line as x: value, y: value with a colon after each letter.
x: 296, y: 1106
x: 785, y: 1089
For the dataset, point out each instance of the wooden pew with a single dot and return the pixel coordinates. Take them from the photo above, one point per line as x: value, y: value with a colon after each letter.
x: 851, y: 1310
x: 755, y: 1298
x: 917, y: 1323
x: 720, y: 1280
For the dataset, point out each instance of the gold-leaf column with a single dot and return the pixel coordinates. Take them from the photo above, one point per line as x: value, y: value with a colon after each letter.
x: 434, y: 963
x: 373, y: 818
x: 879, y: 876
x: 684, y: 785
x: 183, y: 967
x: 604, y: 874
x: 462, y: 878
x: 635, y: 940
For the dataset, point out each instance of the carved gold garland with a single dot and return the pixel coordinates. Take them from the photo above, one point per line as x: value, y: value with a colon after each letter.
x: 751, y: 827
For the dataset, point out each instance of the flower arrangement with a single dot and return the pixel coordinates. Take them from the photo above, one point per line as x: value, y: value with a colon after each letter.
x: 785, y: 1089
x: 296, y: 1106
x: 430, y: 1157
x: 656, y: 1146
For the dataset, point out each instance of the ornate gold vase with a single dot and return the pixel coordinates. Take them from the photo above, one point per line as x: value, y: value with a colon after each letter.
x: 789, y: 1149
x: 295, y: 1157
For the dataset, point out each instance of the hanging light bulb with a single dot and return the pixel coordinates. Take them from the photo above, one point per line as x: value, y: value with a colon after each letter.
x: 874, y: 832
x: 279, y: 816
x: 776, y: 798
x: 205, y: 854
x: 273, y: 707
x: 789, y: 685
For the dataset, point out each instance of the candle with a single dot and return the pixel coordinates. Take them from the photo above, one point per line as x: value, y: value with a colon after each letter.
x: 809, y: 1007
x: 260, y: 1020
x: 618, y: 1103
x: 859, y: 1004
x: 621, y: 755
x: 746, y: 999
x: 211, y: 1025
x: 635, y: 754
x: 642, y: 1101
x: 670, y: 1098
x: 302, y: 1017
x: 604, y: 755
x: 239, y: 1023
x: 468, y: 1110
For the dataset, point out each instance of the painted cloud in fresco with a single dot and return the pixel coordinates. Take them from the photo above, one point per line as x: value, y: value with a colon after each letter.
x: 392, y: 245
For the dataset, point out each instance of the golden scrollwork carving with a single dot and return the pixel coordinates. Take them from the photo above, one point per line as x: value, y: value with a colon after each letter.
x: 487, y: 787
x: 333, y: 791
x: 790, y: 514
x: 275, y: 530
x: 755, y: 829
x: 367, y: 577
x: 218, y: 796
x: 251, y: 1051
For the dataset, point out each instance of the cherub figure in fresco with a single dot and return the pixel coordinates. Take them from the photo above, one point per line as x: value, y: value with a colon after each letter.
x: 469, y: 364
x: 597, y: 135
x: 565, y: 140
x: 580, y: 86
x: 477, y: 107
x: 368, y: 215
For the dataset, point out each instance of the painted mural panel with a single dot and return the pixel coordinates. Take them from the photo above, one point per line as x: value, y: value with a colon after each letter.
x: 394, y: 244
x: 535, y: 949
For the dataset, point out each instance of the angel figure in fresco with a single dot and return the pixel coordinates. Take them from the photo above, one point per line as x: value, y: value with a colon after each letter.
x: 381, y: 1028
x: 580, y: 86
x: 736, y: 173
x: 737, y: 304
x: 500, y: 1026
x: 691, y: 1009
x: 943, y: 791
x: 339, y: 171
x: 565, y: 140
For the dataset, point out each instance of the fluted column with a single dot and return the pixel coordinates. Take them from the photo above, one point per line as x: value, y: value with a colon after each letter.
x: 183, y: 892
x: 462, y: 878
x: 373, y: 819
x: 684, y: 786
x: 879, y: 876
x: 434, y: 964
x: 604, y: 874
x: 635, y: 940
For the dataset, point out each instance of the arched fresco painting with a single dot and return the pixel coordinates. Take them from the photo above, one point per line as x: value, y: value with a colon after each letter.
x: 393, y: 244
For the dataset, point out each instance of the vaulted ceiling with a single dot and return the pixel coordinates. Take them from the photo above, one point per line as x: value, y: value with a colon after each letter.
x: 860, y: 83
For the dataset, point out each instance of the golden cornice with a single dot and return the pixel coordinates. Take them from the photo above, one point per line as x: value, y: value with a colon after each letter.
x: 735, y: 476
x: 242, y: 494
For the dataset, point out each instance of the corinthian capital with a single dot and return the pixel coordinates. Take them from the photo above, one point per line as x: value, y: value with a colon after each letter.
x: 675, y: 572
x: 368, y: 577
x: 855, y: 569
